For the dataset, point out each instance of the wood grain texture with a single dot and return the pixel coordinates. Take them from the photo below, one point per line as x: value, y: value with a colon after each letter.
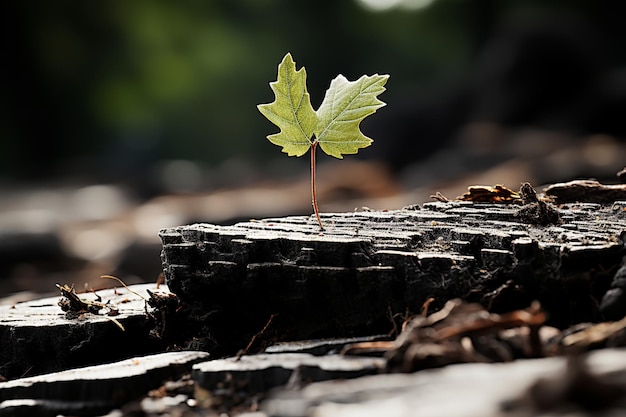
x: 346, y: 280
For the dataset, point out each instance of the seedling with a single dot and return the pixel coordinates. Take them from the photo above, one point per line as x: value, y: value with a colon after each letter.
x: 334, y: 126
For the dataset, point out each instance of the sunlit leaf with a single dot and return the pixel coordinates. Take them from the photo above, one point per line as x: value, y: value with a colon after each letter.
x: 335, y: 127
x: 291, y: 111
x: 346, y: 104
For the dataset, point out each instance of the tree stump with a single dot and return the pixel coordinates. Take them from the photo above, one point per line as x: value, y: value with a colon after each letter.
x: 93, y: 390
x: 367, y: 266
x: 38, y: 337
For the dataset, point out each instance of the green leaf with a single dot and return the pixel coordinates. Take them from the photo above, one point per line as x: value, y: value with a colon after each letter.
x: 291, y: 111
x: 345, y: 105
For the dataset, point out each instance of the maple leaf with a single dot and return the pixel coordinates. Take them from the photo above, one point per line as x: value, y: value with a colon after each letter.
x: 334, y: 126
x: 291, y: 111
x: 345, y: 105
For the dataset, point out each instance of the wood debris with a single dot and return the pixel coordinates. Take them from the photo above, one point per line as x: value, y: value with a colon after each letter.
x: 461, y: 332
x: 487, y: 194
x: 586, y: 191
x: 593, y: 336
x: 75, y: 307
x: 534, y: 210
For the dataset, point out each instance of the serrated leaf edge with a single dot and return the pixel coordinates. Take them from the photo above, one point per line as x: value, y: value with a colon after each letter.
x: 363, y: 141
x: 266, y: 108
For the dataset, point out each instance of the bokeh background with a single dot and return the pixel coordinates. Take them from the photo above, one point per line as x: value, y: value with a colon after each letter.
x: 118, y: 118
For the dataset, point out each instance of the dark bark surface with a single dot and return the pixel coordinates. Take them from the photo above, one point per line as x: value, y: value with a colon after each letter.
x: 96, y: 389
x: 38, y: 336
x: 259, y: 373
x: 366, y: 266
x: 236, y: 289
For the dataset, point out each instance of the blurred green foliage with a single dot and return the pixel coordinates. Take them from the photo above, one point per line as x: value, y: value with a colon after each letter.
x: 141, y: 80
x: 181, y: 79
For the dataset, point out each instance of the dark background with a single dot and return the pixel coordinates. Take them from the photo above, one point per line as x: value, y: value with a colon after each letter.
x: 107, y: 89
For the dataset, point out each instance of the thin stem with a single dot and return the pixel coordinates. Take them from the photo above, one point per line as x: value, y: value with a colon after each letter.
x: 313, y: 188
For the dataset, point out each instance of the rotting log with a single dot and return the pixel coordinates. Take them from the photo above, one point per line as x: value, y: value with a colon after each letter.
x: 261, y: 372
x: 586, y: 191
x: 93, y: 390
x: 38, y: 336
x: 367, y: 266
